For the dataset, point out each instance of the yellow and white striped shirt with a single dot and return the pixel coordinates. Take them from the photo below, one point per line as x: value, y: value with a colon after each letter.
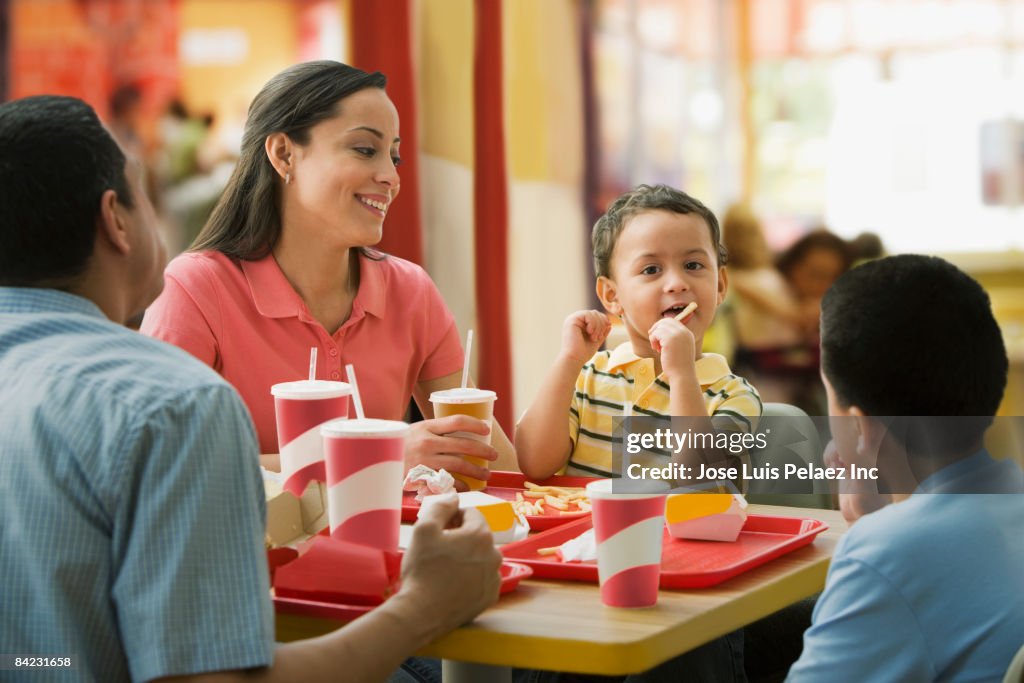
x: 611, y: 379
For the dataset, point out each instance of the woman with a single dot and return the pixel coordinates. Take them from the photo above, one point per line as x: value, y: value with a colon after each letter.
x: 284, y: 264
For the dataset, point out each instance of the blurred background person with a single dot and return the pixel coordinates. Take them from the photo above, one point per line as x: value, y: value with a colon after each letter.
x: 866, y: 246
x: 810, y: 266
x: 191, y: 178
x: 769, y: 326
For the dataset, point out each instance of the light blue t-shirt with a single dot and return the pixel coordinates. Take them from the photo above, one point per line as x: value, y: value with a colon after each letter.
x: 928, y: 589
x: 131, y: 504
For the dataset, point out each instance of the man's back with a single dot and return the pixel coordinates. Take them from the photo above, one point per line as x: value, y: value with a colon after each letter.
x: 926, y: 589
x: 117, y: 546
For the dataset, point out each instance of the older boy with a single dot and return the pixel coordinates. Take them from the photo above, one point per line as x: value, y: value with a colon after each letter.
x: 928, y: 587
x: 656, y: 250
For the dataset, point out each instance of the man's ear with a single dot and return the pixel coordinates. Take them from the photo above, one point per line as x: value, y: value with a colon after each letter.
x: 870, y: 433
x: 608, y: 293
x: 723, y: 284
x: 111, y: 224
x: 279, y: 148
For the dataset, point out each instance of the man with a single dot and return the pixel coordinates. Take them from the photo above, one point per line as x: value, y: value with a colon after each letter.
x: 130, y: 494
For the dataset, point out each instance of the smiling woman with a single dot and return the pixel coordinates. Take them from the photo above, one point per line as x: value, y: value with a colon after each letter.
x: 286, y: 262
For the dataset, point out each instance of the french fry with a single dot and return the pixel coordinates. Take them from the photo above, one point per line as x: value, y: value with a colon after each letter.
x: 537, y: 500
x: 557, y: 503
x: 548, y: 551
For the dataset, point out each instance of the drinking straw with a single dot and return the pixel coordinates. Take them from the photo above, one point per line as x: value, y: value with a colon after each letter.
x: 351, y: 372
x: 465, y: 364
x: 627, y: 409
x: 312, y: 363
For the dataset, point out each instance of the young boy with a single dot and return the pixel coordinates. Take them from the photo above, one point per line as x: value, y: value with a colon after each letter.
x: 656, y: 250
x: 928, y: 587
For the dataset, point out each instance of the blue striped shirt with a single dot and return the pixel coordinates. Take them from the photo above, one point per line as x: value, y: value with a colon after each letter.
x: 131, y: 504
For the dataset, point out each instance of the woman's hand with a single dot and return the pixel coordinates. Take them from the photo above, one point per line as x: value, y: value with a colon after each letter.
x: 435, y: 444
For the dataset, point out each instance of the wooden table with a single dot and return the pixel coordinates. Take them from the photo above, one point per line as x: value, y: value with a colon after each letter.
x: 563, y: 626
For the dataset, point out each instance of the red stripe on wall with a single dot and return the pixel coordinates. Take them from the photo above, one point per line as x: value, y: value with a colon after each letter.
x: 490, y: 211
x: 382, y: 41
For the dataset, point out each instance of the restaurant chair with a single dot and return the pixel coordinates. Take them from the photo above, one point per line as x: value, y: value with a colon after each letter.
x: 1015, y: 674
x: 794, y: 439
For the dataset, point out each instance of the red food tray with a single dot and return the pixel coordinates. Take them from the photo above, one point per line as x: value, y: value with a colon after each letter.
x: 505, y: 485
x: 511, y: 574
x: 684, y: 564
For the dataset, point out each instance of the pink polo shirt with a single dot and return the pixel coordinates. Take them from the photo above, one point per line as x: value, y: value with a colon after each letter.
x: 246, y: 321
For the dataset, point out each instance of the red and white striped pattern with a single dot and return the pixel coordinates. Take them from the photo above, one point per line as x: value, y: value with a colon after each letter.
x: 298, y: 436
x: 629, y: 531
x: 364, y: 487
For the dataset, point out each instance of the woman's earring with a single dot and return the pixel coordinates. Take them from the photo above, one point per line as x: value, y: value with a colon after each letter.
x: 288, y: 178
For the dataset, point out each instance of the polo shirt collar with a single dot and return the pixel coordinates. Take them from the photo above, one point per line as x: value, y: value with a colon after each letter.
x: 275, y: 297
x: 41, y: 299
x: 372, y: 294
x: 711, y: 367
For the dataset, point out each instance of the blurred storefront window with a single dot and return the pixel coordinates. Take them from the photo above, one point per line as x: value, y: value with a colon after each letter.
x: 902, y: 117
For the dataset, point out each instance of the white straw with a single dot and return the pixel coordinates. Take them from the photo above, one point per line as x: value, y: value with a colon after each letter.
x: 351, y: 372
x: 312, y: 363
x: 627, y: 409
x: 465, y: 364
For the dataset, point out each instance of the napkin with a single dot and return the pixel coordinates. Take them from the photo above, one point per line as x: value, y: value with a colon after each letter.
x: 329, y: 570
x: 426, y: 482
x: 583, y: 548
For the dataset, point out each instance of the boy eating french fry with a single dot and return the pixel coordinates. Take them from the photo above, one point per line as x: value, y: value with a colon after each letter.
x: 661, y: 270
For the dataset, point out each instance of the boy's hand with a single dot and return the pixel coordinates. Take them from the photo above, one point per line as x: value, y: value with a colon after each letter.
x: 583, y: 332
x: 675, y: 342
x: 856, y: 497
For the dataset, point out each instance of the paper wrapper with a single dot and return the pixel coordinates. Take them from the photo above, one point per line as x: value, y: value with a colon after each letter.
x: 335, y: 571
x: 501, y: 518
x: 427, y: 482
x: 706, y: 516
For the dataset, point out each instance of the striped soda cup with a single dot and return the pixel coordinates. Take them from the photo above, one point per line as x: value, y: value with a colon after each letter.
x: 628, y: 530
x: 365, y: 468
x: 300, y: 408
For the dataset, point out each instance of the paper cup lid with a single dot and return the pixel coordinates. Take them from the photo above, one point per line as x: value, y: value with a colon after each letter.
x: 460, y: 395
x: 309, y: 391
x: 367, y: 428
x: 626, y: 489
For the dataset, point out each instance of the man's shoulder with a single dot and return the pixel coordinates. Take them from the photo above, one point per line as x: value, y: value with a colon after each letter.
x: 102, y: 356
x: 920, y: 531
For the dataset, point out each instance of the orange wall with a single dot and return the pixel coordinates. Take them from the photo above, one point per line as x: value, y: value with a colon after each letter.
x: 270, y: 28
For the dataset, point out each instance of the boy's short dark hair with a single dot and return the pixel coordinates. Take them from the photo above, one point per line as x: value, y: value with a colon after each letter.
x: 647, y: 198
x: 912, y: 336
x: 57, y: 162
